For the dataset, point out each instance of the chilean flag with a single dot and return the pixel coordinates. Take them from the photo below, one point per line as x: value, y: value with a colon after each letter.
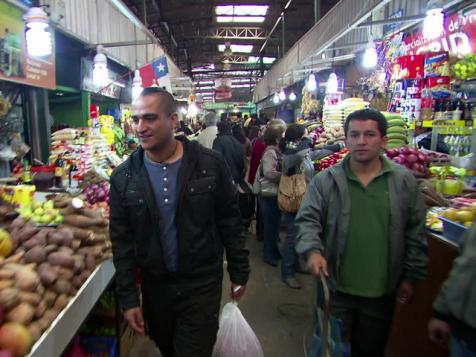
x: 152, y: 72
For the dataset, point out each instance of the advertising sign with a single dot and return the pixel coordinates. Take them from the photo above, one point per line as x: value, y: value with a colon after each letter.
x: 113, y: 90
x: 223, y: 89
x: 15, y: 63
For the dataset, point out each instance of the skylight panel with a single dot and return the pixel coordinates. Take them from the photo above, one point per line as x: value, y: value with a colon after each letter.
x: 241, y: 10
x: 237, y: 48
x: 240, y: 19
x: 266, y: 60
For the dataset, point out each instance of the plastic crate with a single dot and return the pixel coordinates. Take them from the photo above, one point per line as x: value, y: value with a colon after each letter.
x: 452, y: 230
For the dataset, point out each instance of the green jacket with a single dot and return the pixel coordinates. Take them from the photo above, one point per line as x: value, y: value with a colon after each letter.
x: 323, y: 223
x: 457, y: 297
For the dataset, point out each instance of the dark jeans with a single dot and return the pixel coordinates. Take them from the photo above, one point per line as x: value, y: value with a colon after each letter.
x: 259, y: 221
x: 271, y: 215
x: 290, y: 258
x: 366, y: 322
x: 182, y: 316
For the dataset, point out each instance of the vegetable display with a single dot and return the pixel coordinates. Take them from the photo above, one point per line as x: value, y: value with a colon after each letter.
x: 411, y: 158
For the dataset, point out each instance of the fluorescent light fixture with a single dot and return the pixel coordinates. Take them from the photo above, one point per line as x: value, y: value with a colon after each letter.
x: 136, y: 85
x: 198, y: 83
x: 37, y: 36
x: 242, y: 85
x: 243, y: 80
x: 282, y: 95
x: 183, y: 110
x: 240, y: 19
x: 370, y: 55
x: 433, y: 25
x: 100, y: 71
x: 292, y: 96
x: 266, y: 60
x: 232, y: 10
x: 276, y: 98
x: 311, y: 84
x: 206, y: 87
x: 332, y: 83
x: 237, y: 48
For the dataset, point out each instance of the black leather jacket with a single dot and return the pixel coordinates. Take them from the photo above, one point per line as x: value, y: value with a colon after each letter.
x: 232, y: 151
x: 208, y: 221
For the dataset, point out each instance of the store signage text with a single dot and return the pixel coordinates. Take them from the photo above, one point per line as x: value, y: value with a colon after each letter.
x: 459, y: 37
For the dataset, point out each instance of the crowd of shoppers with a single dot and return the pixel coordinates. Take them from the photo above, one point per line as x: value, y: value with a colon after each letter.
x: 360, y: 224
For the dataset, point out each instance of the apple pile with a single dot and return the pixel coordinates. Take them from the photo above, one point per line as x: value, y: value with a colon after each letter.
x: 332, y: 159
x: 411, y: 158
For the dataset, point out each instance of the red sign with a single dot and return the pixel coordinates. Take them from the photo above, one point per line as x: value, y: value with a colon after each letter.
x: 459, y: 37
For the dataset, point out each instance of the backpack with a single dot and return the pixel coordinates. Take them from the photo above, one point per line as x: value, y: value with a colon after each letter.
x: 291, y: 191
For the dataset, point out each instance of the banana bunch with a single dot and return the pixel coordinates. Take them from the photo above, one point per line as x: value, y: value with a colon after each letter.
x: 396, y: 131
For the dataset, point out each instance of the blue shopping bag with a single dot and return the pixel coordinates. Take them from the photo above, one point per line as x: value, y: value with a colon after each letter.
x: 327, y: 338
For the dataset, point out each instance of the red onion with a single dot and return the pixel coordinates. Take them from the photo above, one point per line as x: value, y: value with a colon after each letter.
x: 412, y: 158
x: 422, y: 158
x: 399, y: 160
x: 404, y: 150
x: 391, y: 153
x: 418, y: 167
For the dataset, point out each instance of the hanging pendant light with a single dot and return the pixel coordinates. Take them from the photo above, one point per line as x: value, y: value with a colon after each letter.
x: 332, y: 83
x: 136, y: 85
x: 100, y: 71
x: 37, y: 36
x: 370, y: 55
x: 276, y: 98
x: 433, y: 25
x: 282, y: 95
x: 292, y: 96
x: 311, y: 83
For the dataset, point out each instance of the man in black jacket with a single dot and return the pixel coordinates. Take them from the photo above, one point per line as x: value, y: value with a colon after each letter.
x: 231, y: 149
x: 173, y: 212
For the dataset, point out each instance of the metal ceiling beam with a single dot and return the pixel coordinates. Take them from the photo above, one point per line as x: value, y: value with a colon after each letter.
x: 234, y: 33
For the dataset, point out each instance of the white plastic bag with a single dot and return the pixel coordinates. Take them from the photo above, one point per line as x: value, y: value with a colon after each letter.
x: 235, y: 337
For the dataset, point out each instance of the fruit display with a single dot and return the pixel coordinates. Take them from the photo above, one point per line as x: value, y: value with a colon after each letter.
x: 396, y: 130
x: 431, y: 197
x: 433, y: 221
x: 310, y: 105
x: 465, y: 68
x: 41, y: 213
x: 411, y: 158
x: 331, y: 135
x: 464, y: 215
x: 335, y: 115
x: 97, y: 193
x: 42, y: 268
x: 331, y: 160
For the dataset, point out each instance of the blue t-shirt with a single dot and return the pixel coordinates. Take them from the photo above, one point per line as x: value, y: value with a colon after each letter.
x: 163, y: 178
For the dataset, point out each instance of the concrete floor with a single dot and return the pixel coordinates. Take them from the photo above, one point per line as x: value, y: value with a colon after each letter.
x: 280, y: 316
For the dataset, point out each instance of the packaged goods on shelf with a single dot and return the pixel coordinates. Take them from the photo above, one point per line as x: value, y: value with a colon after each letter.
x: 335, y: 115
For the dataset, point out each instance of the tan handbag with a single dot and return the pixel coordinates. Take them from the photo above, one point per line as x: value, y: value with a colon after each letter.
x: 291, y: 191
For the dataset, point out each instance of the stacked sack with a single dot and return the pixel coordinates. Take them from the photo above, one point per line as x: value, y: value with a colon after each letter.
x: 396, y: 130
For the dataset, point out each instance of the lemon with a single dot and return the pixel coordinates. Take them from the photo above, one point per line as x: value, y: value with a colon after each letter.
x: 450, y: 214
x: 465, y: 216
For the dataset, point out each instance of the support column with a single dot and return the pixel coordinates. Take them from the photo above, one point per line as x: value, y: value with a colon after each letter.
x: 85, y: 104
x: 317, y: 10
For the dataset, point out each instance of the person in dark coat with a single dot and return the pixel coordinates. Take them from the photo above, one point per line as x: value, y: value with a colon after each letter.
x: 173, y: 214
x: 231, y: 149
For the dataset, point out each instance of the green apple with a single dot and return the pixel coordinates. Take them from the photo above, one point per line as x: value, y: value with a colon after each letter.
x: 38, y: 211
x: 49, y: 204
x: 58, y: 219
x: 36, y: 219
x: 36, y: 205
x: 51, y: 211
x: 46, y: 219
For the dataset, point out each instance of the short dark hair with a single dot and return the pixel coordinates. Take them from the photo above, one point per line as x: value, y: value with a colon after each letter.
x: 367, y: 114
x: 224, y: 127
x: 273, y: 133
x: 170, y: 102
x: 293, y: 133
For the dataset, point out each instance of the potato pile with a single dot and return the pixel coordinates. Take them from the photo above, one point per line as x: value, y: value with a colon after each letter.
x: 48, y: 266
x: 331, y: 135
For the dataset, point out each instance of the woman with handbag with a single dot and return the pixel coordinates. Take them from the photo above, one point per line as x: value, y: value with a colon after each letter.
x: 298, y: 162
x: 266, y: 183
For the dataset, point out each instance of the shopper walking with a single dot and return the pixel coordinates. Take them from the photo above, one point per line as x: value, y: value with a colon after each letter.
x: 269, y: 173
x: 361, y: 223
x: 173, y: 213
x: 232, y: 151
x: 208, y: 135
x: 297, y: 158
x: 239, y: 134
x: 454, y: 320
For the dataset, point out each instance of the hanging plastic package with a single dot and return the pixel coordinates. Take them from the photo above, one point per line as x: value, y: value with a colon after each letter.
x: 235, y: 337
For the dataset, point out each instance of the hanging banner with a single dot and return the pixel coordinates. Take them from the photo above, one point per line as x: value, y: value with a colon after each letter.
x: 459, y: 38
x: 15, y: 63
x: 223, y: 89
x: 157, y: 74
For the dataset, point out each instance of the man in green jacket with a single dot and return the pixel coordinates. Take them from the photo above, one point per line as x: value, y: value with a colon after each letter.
x: 362, y: 224
x: 455, y: 306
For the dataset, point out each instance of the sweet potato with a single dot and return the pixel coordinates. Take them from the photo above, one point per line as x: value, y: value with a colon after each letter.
x: 40, y: 290
x: 80, y: 234
x: 91, y: 213
x: 9, y: 297
x: 30, y: 298
x: 4, y: 284
x: 61, y: 302
x: 78, y: 263
x: 35, y: 241
x: 23, y: 313
x: 15, y: 258
x: 17, y: 223
x: 49, y: 297
x: 40, y: 309
x: 65, y: 249
x: 76, y: 244
x: 51, y: 315
x: 27, y: 279
x: 6, y: 274
x: 50, y: 248
x: 81, y: 221
x: 35, y: 330
x: 61, y: 258
x: 61, y: 237
x: 61, y: 286
x: 77, y: 281
x: 63, y: 273
x: 27, y: 232
x: 90, y: 262
x: 47, y: 274
x: 35, y: 255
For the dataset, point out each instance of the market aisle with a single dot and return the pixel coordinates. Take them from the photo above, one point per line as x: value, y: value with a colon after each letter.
x: 278, y: 314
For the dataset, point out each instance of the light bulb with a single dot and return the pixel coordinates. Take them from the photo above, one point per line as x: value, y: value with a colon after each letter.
x: 433, y: 25
x: 276, y: 98
x: 192, y: 110
x: 136, y: 85
x: 100, y: 71
x: 37, y: 36
x: 370, y: 56
x: 292, y: 96
x: 282, y: 95
x: 332, y: 84
x: 311, y: 83
x: 183, y: 110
